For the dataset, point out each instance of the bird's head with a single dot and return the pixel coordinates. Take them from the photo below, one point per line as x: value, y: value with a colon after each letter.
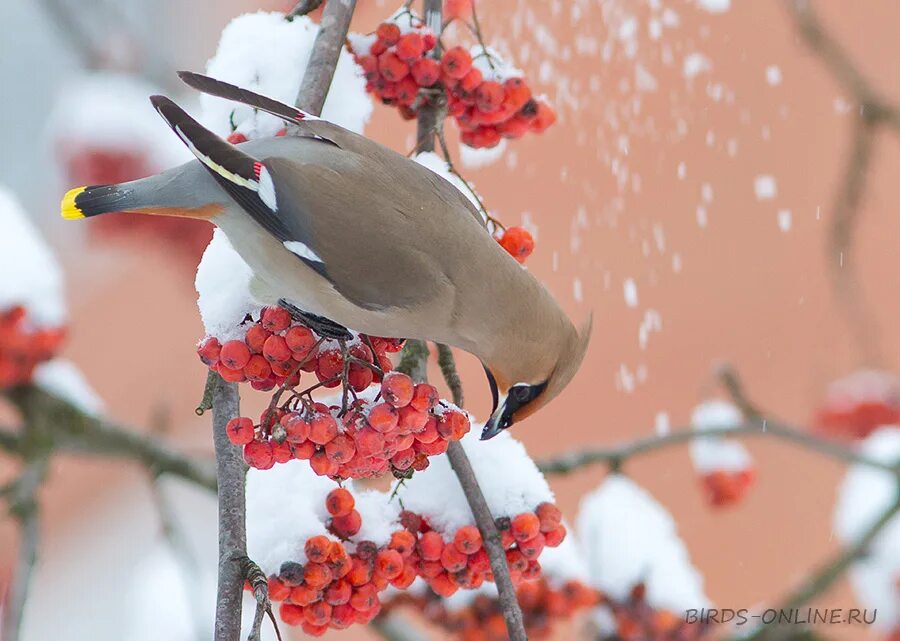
x: 531, y: 378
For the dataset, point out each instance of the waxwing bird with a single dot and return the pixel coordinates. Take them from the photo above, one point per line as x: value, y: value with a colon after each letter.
x: 348, y: 233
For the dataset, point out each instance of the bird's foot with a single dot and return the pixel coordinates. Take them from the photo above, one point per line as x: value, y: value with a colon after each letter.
x: 319, y: 324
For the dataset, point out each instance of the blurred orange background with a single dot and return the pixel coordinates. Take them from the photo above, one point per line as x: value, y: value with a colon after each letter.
x: 609, y: 204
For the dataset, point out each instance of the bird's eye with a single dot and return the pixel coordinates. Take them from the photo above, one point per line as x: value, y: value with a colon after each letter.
x: 521, y: 393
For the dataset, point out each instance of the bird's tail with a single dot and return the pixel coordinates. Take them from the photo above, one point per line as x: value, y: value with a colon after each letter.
x: 84, y: 202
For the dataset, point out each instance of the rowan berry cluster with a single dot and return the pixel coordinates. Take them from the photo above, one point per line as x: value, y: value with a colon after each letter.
x: 488, y: 99
x: 857, y: 404
x: 336, y: 587
x: 481, y: 619
x: 724, y: 465
x: 636, y: 620
x: 22, y: 347
x: 449, y: 561
x: 276, y: 350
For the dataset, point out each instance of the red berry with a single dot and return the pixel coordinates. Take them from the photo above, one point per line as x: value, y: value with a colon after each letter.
x: 452, y: 559
x: 209, y: 350
x: 364, y: 598
x: 340, y: 449
x: 259, y: 454
x: 290, y: 613
x: 278, y: 591
x: 347, y: 525
x: 443, y: 585
x: 471, y: 81
x: 554, y: 537
x: 300, y: 340
x: 467, y: 539
x: 545, y: 117
x: 429, y: 433
x: 425, y: 397
x: 404, y: 542
x: 389, y: 564
x: 391, y: 67
x: 322, y: 465
x: 525, y: 526
x: 489, y: 96
x: 517, y: 93
x: 430, y: 546
x: 275, y: 319
x: 456, y: 62
x: 234, y: 355
x: 397, y: 389
x: 296, y: 426
x: 339, y: 502
x: 330, y: 364
x: 412, y: 419
x: 426, y: 72
x: 410, y: 47
x: 303, y: 451
x: 383, y: 417
x: 322, y: 429
x: 435, y: 448
x: 236, y: 138
x: 338, y: 593
x: 404, y: 459
x: 256, y: 337
x: 388, y: 33
x: 282, y: 452
x: 369, y: 442
x: 240, y: 430
x: 549, y: 516
x: 257, y: 368
x: 317, y: 549
x: 275, y: 349
x: 518, y: 243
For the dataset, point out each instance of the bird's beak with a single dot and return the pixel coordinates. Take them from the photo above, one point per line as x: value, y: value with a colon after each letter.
x: 497, y: 422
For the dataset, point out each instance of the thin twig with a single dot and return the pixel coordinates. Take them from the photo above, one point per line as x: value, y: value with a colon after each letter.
x: 577, y: 459
x: 72, y: 430
x: 206, y: 402
x: 303, y: 7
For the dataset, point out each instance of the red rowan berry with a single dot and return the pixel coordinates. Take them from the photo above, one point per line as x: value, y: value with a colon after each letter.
x: 525, y: 526
x: 452, y: 559
x: 391, y: 67
x: 389, y: 563
x: 425, y: 397
x: 360, y: 572
x: 347, y: 525
x: 322, y: 465
x: 429, y: 433
x: 313, y: 630
x: 316, y: 575
x: 275, y: 349
x: 532, y: 548
x: 343, y: 616
x: 410, y: 47
x: 430, y: 546
x: 340, y: 449
x: 404, y: 459
x: 426, y: 72
x: 318, y: 613
x: 303, y: 451
x: 257, y: 369
x: 467, y: 539
x: 518, y: 242
x: 209, y: 351
x: 300, y: 340
x: 275, y: 319
x: 456, y: 62
x: 388, y: 33
x: 240, y: 430
x: 404, y: 542
x: 443, y: 585
x: 259, y: 454
x: 368, y: 442
x: 549, y: 516
x: 434, y: 448
x: 282, y: 452
x: 278, y: 591
x: 489, y: 96
x: 383, y: 417
x: 290, y: 613
x: 554, y: 537
x: 364, y: 597
x: 545, y: 117
x: 339, y: 593
x: 234, y: 355
x: 411, y: 419
x: 397, y: 389
x: 405, y: 578
x: 322, y: 428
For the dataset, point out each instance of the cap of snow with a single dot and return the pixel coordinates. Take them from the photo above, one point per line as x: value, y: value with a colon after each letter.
x: 62, y: 378
x: 492, y: 65
x: 286, y: 507
x: 37, y: 285
x: 629, y: 538
x: 511, y: 482
x: 714, y: 452
x: 266, y: 53
x: 864, y: 385
x: 112, y: 111
x: 223, y: 289
x: 863, y: 496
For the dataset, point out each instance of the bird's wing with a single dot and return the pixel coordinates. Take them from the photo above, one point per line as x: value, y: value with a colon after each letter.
x: 308, y: 123
x: 246, y: 179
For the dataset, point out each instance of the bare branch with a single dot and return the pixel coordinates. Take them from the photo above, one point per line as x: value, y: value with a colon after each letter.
x: 324, y: 58
x: 509, y: 604
x: 22, y: 498
x: 230, y: 471
x: 414, y: 360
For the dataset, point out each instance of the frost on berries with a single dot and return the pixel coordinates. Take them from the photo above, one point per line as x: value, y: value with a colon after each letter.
x: 724, y: 465
x: 855, y: 405
x: 32, y: 314
x: 488, y: 98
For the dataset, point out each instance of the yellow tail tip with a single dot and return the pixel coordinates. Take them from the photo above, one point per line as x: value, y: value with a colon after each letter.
x: 69, y: 210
